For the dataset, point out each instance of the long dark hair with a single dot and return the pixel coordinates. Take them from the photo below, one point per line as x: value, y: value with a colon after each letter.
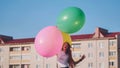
x: 68, y: 51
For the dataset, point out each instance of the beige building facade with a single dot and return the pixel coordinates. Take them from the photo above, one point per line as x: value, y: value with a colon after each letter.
x: 101, y: 48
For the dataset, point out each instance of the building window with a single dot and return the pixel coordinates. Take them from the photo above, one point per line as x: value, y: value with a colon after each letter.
x: 101, y: 65
x: 14, y: 66
x: 101, y: 45
x: 15, y: 48
x: 0, y: 58
x: 25, y: 66
x: 112, y: 42
x: 47, y: 65
x: 15, y: 57
x: 76, y: 55
x: 90, y: 55
x: 112, y: 53
x: 26, y: 48
x: 118, y: 52
x: 38, y: 66
x: 76, y: 45
x: 1, y: 66
x: 111, y: 63
x: 26, y: 57
x: 101, y: 54
x: 90, y: 45
x: 90, y: 65
x: 0, y: 50
x: 37, y: 58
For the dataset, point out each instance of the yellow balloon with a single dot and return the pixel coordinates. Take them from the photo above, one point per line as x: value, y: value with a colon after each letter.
x: 66, y: 38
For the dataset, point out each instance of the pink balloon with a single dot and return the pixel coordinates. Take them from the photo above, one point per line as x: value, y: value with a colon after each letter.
x: 48, y: 41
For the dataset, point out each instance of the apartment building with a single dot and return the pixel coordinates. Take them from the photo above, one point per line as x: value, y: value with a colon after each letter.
x: 102, y: 50
x: 20, y: 53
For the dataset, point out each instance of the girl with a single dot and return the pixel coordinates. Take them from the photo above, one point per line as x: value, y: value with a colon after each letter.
x: 65, y: 59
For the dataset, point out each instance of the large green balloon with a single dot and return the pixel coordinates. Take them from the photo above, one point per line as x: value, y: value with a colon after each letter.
x: 71, y: 20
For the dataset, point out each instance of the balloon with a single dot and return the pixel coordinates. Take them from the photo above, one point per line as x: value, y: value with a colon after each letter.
x: 71, y: 20
x: 48, y: 41
x: 66, y: 38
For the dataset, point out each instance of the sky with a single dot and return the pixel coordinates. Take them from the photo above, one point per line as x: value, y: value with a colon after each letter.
x: 25, y: 18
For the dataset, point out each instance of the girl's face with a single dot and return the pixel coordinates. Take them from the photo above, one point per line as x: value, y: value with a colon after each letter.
x: 65, y: 46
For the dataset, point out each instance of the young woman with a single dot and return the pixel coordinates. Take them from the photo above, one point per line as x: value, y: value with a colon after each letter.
x: 65, y: 59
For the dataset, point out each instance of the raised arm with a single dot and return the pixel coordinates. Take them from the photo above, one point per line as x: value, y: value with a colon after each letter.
x: 76, y: 62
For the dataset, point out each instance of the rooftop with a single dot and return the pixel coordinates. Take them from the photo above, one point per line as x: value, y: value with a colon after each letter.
x: 99, y: 33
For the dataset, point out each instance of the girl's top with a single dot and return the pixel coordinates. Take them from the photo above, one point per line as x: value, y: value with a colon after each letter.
x: 62, y: 59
